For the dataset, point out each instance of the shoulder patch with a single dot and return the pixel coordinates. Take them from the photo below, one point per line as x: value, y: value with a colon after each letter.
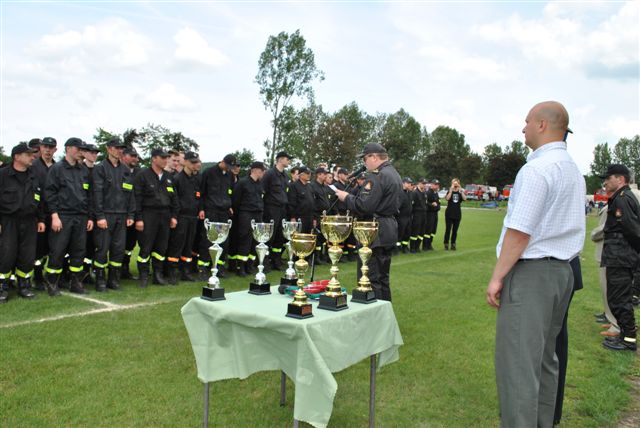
x: 618, y: 212
x: 368, y: 186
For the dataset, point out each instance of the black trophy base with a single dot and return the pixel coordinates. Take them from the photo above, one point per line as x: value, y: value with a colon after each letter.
x: 287, y: 281
x: 333, y: 303
x: 365, y: 297
x: 213, y: 294
x: 259, y: 289
x: 299, y: 312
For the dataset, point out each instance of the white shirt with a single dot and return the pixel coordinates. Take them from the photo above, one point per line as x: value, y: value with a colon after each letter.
x: 547, y: 203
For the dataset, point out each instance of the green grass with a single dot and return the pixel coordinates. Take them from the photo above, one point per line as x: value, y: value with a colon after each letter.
x: 135, y: 367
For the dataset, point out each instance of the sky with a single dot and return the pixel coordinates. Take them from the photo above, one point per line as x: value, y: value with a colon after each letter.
x: 68, y: 68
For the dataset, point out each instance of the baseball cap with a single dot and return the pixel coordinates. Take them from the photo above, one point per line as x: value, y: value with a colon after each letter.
x: 90, y: 147
x: 22, y: 148
x: 257, y: 164
x: 407, y: 180
x: 130, y: 151
x: 371, y: 148
x: 74, y: 142
x: 615, y: 169
x: 321, y: 170
x: 283, y: 155
x: 230, y: 160
x: 191, y: 157
x: 34, y: 143
x: 49, y: 141
x: 303, y: 170
x: 159, y: 152
x: 116, y: 142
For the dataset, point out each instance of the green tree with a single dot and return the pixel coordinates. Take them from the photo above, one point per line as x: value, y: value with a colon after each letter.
x: 518, y: 148
x: 627, y: 152
x: 298, y: 132
x: 471, y: 170
x: 244, y: 157
x: 4, y: 158
x: 601, y: 159
x: 447, y: 153
x: 286, y: 69
x: 402, y: 135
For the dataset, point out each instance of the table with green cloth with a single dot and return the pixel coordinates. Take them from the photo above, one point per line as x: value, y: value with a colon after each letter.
x: 245, y: 334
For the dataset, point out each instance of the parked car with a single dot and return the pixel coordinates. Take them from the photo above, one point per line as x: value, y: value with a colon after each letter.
x: 442, y: 193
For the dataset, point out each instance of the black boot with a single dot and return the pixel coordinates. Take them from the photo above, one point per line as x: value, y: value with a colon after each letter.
x: 173, y: 273
x: 250, y: 267
x: 185, y: 272
x: 158, y: 278
x: 405, y: 249
x: 446, y: 246
x: 125, y: 271
x: 114, y: 278
x: 453, y: 246
x: 75, y: 284
x: 222, y: 272
x: 413, y: 245
x: 38, y: 277
x: 241, y: 270
x: 204, y: 272
x: 101, y: 282
x: 88, y: 280
x: 232, y: 264
x: 51, y: 281
x: 24, y: 288
x: 143, y: 272
x: 4, y: 291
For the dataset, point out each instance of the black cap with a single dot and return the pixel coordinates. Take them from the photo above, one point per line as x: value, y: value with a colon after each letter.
x: 159, y: 152
x: 90, y: 147
x: 130, y: 151
x: 303, y: 170
x: 230, y: 160
x: 283, y: 155
x: 372, y: 148
x: 74, y: 142
x: 435, y: 181
x: 116, y: 142
x: 321, y: 170
x: 343, y: 171
x: 49, y: 141
x: 423, y: 181
x: 615, y: 169
x: 191, y: 157
x: 257, y: 164
x: 34, y: 143
x: 22, y: 148
x: 407, y: 180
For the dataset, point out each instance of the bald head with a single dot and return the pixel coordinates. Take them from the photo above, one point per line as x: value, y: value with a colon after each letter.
x: 546, y: 122
x: 554, y: 113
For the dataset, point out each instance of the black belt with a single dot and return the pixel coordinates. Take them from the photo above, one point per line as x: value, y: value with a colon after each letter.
x: 613, y: 235
x: 549, y: 259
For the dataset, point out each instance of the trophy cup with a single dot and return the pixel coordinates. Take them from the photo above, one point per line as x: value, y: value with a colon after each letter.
x: 262, y: 233
x: 216, y: 233
x: 288, y: 228
x: 336, y: 229
x: 303, y: 245
x: 365, y: 233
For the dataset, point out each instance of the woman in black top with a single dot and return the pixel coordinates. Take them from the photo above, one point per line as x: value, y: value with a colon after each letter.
x: 453, y: 213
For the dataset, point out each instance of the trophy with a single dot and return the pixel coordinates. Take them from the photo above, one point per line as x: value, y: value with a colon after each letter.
x: 288, y: 228
x: 365, y: 233
x: 303, y: 245
x: 262, y: 232
x: 216, y: 233
x: 336, y: 229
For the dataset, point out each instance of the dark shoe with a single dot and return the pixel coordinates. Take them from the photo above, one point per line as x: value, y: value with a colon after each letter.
x: 635, y: 300
x: 24, y: 288
x: 38, y: 278
x: 51, y: 281
x: 185, y: 273
x: 75, y: 284
x: 241, y: 269
x: 453, y: 247
x: 4, y: 296
x: 143, y: 271
x: 446, y: 246
x: 88, y: 279
x: 249, y: 267
x: 204, y: 273
x: 619, y: 344
x: 114, y: 279
x: 158, y: 269
x: 173, y: 273
x: 405, y: 250
x: 101, y: 282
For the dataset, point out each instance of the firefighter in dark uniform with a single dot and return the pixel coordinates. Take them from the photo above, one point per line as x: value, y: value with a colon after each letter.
x: 130, y: 160
x: 433, y: 206
x: 404, y: 215
x: 156, y: 214
x: 276, y: 184
x: 187, y: 187
x: 20, y: 219
x: 300, y: 203
x: 247, y: 205
x: 114, y: 211
x: 379, y: 199
x: 620, y: 254
x: 40, y: 169
x: 89, y: 154
x: 68, y: 196
x: 418, y: 216
x: 215, y: 186
x: 350, y: 244
x: 321, y: 205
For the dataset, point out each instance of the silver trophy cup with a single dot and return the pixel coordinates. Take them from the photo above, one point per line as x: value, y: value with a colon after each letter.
x: 262, y: 233
x: 216, y: 233
x: 288, y: 227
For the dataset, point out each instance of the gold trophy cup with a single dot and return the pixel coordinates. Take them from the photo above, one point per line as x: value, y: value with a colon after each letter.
x: 336, y: 229
x: 303, y: 245
x: 365, y: 233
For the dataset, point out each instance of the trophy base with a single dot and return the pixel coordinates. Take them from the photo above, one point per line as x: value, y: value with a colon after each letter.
x: 333, y: 303
x: 299, y: 312
x: 259, y: 289
x: 213, y: 294
x: 287, y: 281
x: 365, y: 297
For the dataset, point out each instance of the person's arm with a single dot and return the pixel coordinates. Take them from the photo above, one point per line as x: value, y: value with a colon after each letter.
x: 513, y: 245
x: 448, y: 195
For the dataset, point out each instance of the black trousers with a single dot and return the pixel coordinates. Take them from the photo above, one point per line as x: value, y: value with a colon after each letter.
x: 42, y: 241
x: 379, y: 268
x: 110, y: 242
x: 245, y: 245
x: 619, y: 285
x: 18, y: 238
x: 451, y: 229
x: 418, y: 227
x: 432, y: 224
x: 404, y: 230
x: 277, y: 214
x: 307, y: 223
x: 204, y: 243
x: 72, y: 240
x: 131, y: 239
x: 181, y: 238
x: 154, y: 238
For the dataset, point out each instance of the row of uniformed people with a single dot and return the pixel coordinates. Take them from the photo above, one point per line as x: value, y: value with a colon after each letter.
x: 418, y: 215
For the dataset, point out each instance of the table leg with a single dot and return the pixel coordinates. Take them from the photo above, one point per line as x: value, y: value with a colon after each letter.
x: 283, y: 388
x: 295, y: 423
x: 372, y: 392
x: 205, y: 418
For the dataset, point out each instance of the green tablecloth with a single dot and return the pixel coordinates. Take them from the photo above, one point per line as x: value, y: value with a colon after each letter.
x: 245, y: 334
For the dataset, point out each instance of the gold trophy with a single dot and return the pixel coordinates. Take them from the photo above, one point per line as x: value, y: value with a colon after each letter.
x: 365, y: 233
x: 303, y: 245
x: 216, y: 233
x: 336, y: 229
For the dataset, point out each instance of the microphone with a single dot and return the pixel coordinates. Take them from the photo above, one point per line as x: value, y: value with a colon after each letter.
x: 357, y: 172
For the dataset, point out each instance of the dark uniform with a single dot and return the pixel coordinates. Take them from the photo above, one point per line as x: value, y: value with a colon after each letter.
x: 19, y: 215
x: 40, y: 171
x: 418, y: 219
x: 404, y: 220
x: 275, y: 185
x: 620, y: 257
x: 321, y: 204
x: 115, y: 203
x: 68, y: 194
x: 156, y: 205
x: 90, y: 250
x: 131, y: 237
x: 379, y: 199
x: 350, y: 244
x: 432, y: 218
x: 247, y: 206
x: 301, y: 205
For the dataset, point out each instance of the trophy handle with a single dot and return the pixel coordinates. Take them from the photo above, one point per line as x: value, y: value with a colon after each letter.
x: 229, y: 222
x: 207, y: 223
x: 298, y: 224
x: 253, y: 224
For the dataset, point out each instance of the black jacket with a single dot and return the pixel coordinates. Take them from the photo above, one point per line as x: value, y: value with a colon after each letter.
x: 622, y: 230
x: 301, y: 202
x: 154, y: 193
x: 275, y: 185
x: 247, y: 196
x: 432, y: 196
x: 321, y: 200
x: 406, y: 207
x: 112, y: 190
x: 68, y: 189
x: 215, y: 186
x: 419, y: 201
x: 19, y: 193
x: 189, y: 197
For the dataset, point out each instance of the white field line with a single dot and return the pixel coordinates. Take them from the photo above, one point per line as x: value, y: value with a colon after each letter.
x: 448, y: 254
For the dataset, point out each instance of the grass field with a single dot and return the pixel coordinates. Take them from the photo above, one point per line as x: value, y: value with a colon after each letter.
x: 133, y: 366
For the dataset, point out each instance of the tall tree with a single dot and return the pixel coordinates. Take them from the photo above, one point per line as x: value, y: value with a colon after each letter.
x: 4, y: 158
x: 518, y: 148
x: 286, y: 68
x: 627, y: 152
x: 402, y: 136
x: 601, y: 159
x: 245, y: 158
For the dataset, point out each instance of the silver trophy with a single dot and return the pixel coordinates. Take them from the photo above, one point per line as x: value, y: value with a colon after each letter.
x: 288, y: 228
x: 262, y: 233
x: 216, y: 233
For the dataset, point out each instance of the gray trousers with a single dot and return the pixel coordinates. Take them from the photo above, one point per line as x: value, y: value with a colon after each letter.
x: 533, y: 302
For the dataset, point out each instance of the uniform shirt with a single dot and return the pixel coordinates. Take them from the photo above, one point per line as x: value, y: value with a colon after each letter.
x: 320, y: 199
x: 419, y: 201
x: 547, y: 203
x: 189, y: 197
x: 341, y: 207
x: 19, y: 193
x: 275, y: 185
x: 68, y: 190
x: 247, y: 196
x: 621, y: 230
x: 112, y: 190
x: 40, y: 171
x: 300, y: 201
x: 432, y: 196
x: 406, y: 206
x: 216, y: 189
x: 153, y: 192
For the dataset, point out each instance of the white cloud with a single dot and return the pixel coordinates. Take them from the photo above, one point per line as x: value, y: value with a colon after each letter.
x: 193, y: 50
x: 167, y: 98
